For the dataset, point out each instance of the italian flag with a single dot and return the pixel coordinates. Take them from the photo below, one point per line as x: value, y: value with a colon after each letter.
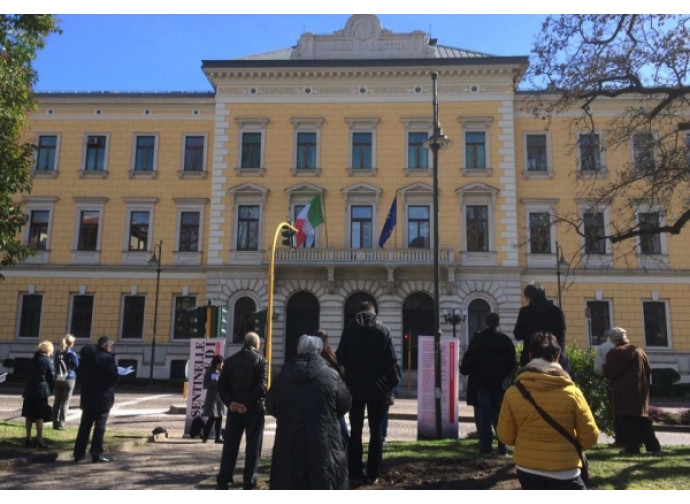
x: 308, y: 219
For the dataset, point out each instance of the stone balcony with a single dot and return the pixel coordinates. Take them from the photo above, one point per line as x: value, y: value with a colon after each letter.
x: 373, y: 257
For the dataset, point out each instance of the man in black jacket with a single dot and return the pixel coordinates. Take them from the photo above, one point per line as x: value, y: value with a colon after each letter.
x: 242, y: 387
x: 540, y: 315
x: 97, y: 374
x: 488, y: 361
x: 366, y: 352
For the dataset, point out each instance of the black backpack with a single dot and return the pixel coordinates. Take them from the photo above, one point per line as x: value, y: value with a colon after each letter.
x: 61, y: 369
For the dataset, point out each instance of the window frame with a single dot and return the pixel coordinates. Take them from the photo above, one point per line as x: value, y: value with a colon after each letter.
x: 247, y: 194
x: 251, y: 126
x: 605, y: 259
x: 470, y: 125
x: 102, y: 172
x: 548, y: 172
x: 71, y: 315
x: 39, y: 204
x: 600, y: 171
x: 362, y: 233
x: 135, y: 171
x: 184, y: 172
x: 409, y: 221
x: 123, y: 314
x: 32, y: 318
x: 667, y: 320
x: 301, y: 126
x: 249, y: 220
x: 36, y: 171
x: 589, y: 318
x: 634, y: 151
x: 362, y: 125
x: 647, y: 260
x: 417, y: 125
x: 138, y: 256
x: 541, y: 206
x: 83, y: 256
x: 478, y: 194
x: 361, y: 194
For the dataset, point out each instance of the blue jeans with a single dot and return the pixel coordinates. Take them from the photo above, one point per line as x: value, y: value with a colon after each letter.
x: 487, y: 409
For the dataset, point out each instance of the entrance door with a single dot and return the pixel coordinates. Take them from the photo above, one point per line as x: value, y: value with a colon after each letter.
x: 418, y: 320
x: 301, y: 317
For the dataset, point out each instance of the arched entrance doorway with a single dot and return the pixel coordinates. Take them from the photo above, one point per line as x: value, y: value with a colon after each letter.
x: 301, y: 317
x: 353, y: 303
x: 418, y: 319
x: 243, y: 321
x: 477, y: 311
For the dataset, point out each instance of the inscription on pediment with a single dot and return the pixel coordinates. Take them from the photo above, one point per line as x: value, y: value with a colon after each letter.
x: 363, y: 38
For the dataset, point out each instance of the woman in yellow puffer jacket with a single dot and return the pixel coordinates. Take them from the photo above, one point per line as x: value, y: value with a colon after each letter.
x: 544, y: 458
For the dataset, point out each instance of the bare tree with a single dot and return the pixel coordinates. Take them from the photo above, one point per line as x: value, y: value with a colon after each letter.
x: 642, y: 62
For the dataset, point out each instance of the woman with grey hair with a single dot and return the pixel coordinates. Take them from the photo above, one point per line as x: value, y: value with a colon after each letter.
x: 307, y: 398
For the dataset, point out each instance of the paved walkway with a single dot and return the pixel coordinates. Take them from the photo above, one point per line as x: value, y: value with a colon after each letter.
x: 176, y: 463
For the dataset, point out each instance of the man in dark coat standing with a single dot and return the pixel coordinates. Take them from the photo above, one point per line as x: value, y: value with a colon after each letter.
x: 366, y: 352
x: 628, y: 368
x: 307, y: 398
x: 489, y: 361
x: 97, y: 375
x: 242, y: 387
x: 540, y: 315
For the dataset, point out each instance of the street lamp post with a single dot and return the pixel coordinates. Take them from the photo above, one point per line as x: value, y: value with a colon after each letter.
x: 560, y: 261
x: 453, y: 317
x: 155, y: 260
x: 436, y: 142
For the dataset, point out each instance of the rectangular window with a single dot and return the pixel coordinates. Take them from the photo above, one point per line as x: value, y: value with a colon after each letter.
x: 47, y: 151
x: 649, y: 243
x: 643, y: 151
x: 594, y: 231
x: 536, y: 153
x: 82, y: 316
x: 540, y: 233
x: 590, y: 152
x: 418, y: 226
x: 194, y: 153
x: 655, y: 324
x: 477, y: 228
x: 95, y: 153
x: 361, y: 226
x: 145, y: 150
x: 248, y: 227
x: 38, y: 229
x: 599, y: 319
x: 189, y: 232
x: 139, y: 230
x: 417, y: 154
x: 89, y: 220
x: 361, y: 150
x: 30, y: 318
x: 251, y: 150
x: 183, y: 329
x: 133, y: 317
x: 475, y: 150
x: 306, y: 150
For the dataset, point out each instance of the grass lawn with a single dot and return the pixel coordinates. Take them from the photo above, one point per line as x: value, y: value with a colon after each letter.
x: 12, y: 436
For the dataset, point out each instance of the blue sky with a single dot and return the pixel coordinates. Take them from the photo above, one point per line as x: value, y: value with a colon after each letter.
x: 164, y: 52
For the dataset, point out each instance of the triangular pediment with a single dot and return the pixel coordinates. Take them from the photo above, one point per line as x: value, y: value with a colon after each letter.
x: 248, y: 188
x: 477, y: 188
x: 304, y: 188
x: 417, y: 188
x: 362, y: 188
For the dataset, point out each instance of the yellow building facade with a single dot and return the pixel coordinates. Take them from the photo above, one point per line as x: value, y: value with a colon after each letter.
x: 204, y: 179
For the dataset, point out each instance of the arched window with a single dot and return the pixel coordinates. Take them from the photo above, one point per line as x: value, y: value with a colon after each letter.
x: 243, y: 323
x: 353, y: 303
x: 418, y: 319
x: 301, y: 317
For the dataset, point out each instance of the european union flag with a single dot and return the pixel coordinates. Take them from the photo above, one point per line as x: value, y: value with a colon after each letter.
x: 390, y: 223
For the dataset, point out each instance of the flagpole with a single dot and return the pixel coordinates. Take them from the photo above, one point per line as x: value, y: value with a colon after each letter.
x: 325, y: 223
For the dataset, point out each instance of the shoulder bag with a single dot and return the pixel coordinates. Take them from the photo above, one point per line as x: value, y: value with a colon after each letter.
x: 584, y: 470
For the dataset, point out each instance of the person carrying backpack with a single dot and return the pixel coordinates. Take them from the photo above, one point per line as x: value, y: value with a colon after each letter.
x: 66, y: 365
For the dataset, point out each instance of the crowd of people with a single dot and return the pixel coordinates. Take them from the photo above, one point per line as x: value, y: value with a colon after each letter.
x: 538, y: 410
